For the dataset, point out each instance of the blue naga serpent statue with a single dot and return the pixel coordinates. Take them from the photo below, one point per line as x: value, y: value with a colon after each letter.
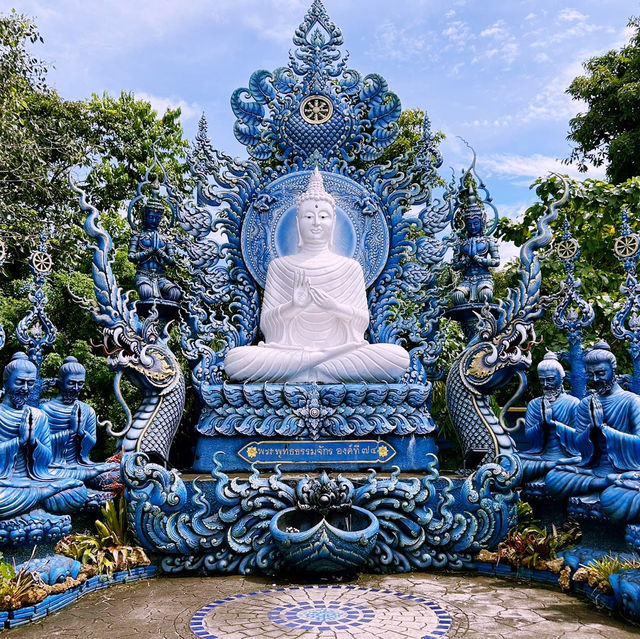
x: 135, y: 348
x: 499, y: 351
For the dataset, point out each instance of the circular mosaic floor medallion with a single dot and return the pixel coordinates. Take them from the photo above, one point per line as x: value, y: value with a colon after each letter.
x: 322, y: 611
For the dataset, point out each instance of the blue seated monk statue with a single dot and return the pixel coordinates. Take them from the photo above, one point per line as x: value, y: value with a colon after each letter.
x: 26, y: 482
x: 547, y: 420
x: 606, y: 433
x: 72, y: 425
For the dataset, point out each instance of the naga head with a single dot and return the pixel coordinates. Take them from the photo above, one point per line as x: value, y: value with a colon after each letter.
x: 496, y: 355
x: 141, y: 351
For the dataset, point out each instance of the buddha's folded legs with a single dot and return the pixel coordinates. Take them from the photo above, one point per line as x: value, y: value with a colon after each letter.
x: 17, y: 500
x: 568, y: 481
x: 351, y: 363
x: 73, y: 496
x: 369, y: 363
x: 536, y: 467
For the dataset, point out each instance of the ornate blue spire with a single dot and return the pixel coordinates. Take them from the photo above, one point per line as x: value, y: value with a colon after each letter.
x: 625, y: 324
x: 573, y: 313
x: 35, y: 330
x: 315, y: 108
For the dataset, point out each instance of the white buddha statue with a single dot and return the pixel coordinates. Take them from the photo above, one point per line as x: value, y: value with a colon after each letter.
x: 314, y: 312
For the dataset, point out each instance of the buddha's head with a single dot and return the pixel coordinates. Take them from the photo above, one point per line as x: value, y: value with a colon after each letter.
x: 551, y: 375
x: 18, y: 379
x: 71, y: 378
x: 152, y: 212
x: 601, y: 366
x: 316, y: 215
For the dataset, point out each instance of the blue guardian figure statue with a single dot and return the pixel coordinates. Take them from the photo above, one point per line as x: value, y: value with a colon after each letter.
x: 473, y: 257
x: 607, y: 432
x: 547, y: 420
x: 152, y: 252
x: 25, y: 451
x: 72, y: 425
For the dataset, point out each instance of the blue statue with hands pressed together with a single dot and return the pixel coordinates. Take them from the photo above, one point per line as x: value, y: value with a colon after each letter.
x: 546, y: 420
x: 606, y: 434
x: 26, y: 481
x: 44, y: 455
x: 72, y: 424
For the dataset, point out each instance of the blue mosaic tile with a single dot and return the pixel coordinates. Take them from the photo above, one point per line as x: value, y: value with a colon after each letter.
x: 317, y: 616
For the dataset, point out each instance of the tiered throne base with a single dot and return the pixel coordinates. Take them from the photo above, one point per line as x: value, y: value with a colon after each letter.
x: 310, y: 426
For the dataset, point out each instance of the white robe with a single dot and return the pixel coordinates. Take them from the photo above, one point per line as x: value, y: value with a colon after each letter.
x: 315, y: 345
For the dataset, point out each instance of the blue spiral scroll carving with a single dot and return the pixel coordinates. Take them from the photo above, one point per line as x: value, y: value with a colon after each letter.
x: 224, y: 525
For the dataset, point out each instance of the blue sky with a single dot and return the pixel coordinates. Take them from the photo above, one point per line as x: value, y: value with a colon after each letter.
x: 493, y: 72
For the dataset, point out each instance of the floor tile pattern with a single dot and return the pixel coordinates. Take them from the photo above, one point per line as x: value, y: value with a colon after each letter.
x: 325, y: 612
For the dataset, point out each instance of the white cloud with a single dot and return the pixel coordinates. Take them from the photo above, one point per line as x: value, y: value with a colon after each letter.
x: 395, y: 43
x: 458, y: 32
x: 495, y: 30
x: 495, y: 123
x: 161, y: 104
x: 530, y: 16
x: 552, y: 102
x: 542, y: 58
x: 503, y: 44
x: 532, y: 167
x: 571, y: 15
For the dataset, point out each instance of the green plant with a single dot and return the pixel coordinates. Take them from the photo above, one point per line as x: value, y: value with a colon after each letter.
x: 14, y: 589
x: 108, y: 549
x: 608, y: 565
x: 113, y: 529
x: 526, y: 518
x: 531, y: 545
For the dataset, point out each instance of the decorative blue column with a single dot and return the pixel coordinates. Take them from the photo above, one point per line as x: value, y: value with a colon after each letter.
x: 3, y: 257
x: 35, y: 330
x: 573, y: 313
x: 625, y: 324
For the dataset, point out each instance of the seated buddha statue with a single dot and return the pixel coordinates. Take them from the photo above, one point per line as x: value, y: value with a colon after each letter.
x: 72, y: 425
x: 315, y: 313
x: 25, y: 451
x: 545, y: 421
x: 606, y: 433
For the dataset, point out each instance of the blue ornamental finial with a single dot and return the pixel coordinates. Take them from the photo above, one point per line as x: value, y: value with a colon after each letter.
x: 316, y: 108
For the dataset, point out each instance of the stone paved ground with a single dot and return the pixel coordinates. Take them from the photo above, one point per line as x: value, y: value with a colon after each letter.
x: 371, y: 607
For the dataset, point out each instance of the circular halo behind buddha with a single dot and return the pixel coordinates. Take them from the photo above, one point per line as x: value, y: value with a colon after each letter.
x: 269, y: 229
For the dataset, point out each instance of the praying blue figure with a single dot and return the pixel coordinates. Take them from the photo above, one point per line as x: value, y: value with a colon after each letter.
x: 547, y: 420
x: 72, y: 425
x: 151, y: 252
x: 607, y: 432
x: 473, y: 257
x: 25, y: 451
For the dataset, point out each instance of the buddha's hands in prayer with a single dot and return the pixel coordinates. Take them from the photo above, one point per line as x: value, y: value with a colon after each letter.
x: 301, y: 290
x: 547, y: 412
x: 328, y: 303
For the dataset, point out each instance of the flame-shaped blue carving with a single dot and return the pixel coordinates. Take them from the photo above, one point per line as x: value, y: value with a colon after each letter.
x: 316, y: 108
